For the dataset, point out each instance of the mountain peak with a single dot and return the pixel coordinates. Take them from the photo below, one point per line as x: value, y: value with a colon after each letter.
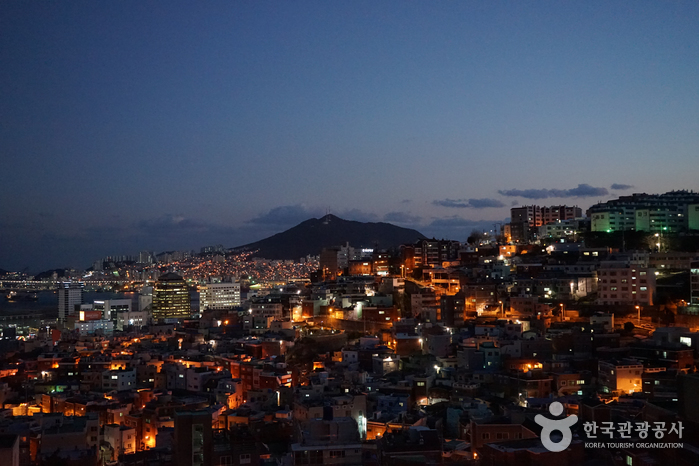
x: 307, y: 238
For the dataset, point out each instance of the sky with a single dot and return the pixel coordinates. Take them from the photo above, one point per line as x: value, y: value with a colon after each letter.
x: 164, y: 125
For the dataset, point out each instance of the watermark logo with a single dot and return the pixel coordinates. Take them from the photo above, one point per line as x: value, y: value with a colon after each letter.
x: 548, y: 426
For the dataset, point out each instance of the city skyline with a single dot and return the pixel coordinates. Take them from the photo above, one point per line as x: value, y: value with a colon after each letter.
x: 149, y: 126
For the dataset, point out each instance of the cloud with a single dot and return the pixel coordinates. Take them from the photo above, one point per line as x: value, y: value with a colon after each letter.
x: 453, y: 203
x: 357, y: 215
x: 457, y: 228
x: 401, y: 217
x: 621, y: 187
x: 582, y: 190
x: 287, y: 215
x: 484, y: 203
x: 451, y: 222
x: 406, y: 201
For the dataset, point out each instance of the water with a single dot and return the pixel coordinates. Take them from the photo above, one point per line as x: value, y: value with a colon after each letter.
x: 48, y: 302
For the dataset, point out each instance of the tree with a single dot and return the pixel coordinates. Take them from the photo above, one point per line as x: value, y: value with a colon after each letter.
x: 475, y: 237
x: 628, y: 327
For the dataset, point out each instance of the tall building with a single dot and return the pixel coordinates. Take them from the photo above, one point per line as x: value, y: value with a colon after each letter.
x: 329, y: 263
x: 171, y: 298
x: 524, y: 219
x: 694, y: 282
x: 529, y: 214
x: 427, y: 253
x: 219, y: 296
x: 70, y: 294
x: 145, y: 257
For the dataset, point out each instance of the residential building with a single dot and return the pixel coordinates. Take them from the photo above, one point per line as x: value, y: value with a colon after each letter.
x: 626, y: 283
x: 656, y: 213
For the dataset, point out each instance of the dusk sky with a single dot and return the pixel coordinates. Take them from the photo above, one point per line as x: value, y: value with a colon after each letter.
x: 128, y: 126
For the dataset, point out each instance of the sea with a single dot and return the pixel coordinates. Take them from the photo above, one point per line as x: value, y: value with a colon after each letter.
x: 47, y: 302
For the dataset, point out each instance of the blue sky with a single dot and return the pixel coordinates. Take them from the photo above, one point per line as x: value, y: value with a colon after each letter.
x: 167, y: 125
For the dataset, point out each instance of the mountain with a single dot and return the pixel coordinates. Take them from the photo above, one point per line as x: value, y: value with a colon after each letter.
x: 311, y: 236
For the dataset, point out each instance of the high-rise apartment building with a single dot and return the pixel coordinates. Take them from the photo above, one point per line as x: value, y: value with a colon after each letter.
x: 70, y: 294
x: 523, y: 219
x: 656, y: 213
x: 219, y: 296
x: 536, y: 216
x: 528, y: 214
x: 171, y: 298
x: 694, y: 282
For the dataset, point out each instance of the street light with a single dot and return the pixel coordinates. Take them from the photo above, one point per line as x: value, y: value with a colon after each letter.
x: 638, y: 308
x: 502, y: 309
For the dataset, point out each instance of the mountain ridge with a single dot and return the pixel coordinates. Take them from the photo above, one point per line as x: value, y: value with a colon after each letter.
x: 310, y: 236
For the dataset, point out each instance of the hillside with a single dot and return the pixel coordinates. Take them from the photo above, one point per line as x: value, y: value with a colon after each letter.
x: 311, y: 236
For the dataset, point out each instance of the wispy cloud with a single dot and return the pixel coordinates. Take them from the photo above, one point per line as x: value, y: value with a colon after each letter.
x: 484, y: 203
x: 621, y: 187
x: 582, y: 190
x: 286, y: 215
x: 402, y: 217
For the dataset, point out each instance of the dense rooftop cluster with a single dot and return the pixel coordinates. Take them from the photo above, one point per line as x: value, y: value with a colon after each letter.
x: 437, y: 352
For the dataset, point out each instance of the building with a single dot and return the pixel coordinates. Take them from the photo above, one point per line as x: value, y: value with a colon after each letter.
x: 625, y: 282
x: 126, y: 319
x: 558, y: 213
x: 121, y: 438
x: 119, y: 380
x: 88, y: 327
x: 332, y: 441
x: 529, y: 215
x: 694, y: 282
x: 193, y: 438
x: 673, y: 211
x: 417, y: 445
x: 171, y: 298
x: 267, y: 307
x: 568, y: 229
x: 621, y: 377
x: 536, y: 216
x: 219, y: 296
x: 70, y: 294
x: 111, y: 308
x: 329, y: 263
x: 524, y: 220
x: 9, y: 450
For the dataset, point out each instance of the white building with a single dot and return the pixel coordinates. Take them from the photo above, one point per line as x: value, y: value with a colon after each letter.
x: 121, y: 438
x: 88, y: 327
x: 135, y: 318
x: 70, y: 294
x: 119, y: 380
x: 219, y: 296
